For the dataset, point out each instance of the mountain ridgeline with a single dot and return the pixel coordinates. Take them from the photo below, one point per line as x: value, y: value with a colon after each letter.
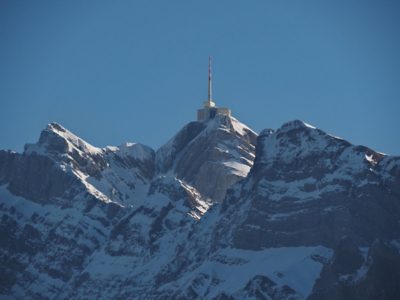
x: 218, y: 212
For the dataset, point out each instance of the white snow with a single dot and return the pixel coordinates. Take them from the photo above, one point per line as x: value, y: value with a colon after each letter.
x: 370, y: 159
x: 202, y: 204
x: 277, y: 147
x: 134, y: 150
x: 240, y: 127
x: 238, y: 169
x: 309, y: 126
x: 73, y: 140
x: 278, y: 189
x: 233, y: 268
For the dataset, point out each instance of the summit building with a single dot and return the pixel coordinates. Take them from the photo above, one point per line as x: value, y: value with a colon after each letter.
x: 210, y: 110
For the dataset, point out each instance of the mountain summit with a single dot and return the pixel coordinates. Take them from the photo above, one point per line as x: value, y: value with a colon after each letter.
x: 209, y: 155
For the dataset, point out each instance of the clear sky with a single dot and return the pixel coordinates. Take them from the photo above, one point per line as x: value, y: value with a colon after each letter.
x: 117, y: 71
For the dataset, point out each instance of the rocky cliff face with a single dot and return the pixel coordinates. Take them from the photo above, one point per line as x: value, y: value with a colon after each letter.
x: 306, y: 182
x: 216, y: 213
x: 211, y: 156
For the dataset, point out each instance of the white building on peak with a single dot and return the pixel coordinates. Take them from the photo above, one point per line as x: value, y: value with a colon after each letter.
x: 210, y: 110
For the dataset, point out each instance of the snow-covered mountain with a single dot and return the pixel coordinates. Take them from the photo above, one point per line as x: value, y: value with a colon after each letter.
x: 210, y: 156
x: 215, y: 213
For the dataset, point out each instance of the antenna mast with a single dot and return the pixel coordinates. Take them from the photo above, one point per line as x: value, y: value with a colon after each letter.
x: 209, y: 81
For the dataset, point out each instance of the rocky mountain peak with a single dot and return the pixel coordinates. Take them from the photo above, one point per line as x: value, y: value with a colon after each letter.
x: 210, y: 155
x: 57, y: 139
x: 66, y: 148
x: 297, y: 143
x: 295, y: 124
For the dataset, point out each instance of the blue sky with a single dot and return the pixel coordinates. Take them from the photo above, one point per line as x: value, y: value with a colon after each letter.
x: 117, y: 71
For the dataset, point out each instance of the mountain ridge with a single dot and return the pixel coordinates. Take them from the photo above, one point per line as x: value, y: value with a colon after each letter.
x: 216, y: 213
